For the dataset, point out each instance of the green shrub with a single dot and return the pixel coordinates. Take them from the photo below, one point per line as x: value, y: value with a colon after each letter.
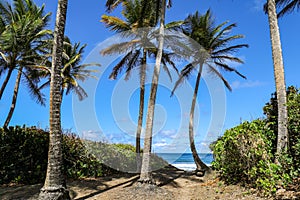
x: 245, y: 154
x: 78, y: 162
x: 293, y: 105
x: 24, y: 155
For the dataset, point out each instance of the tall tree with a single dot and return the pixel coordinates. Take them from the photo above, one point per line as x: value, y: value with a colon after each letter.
x: 146, y: 175
x: 22, y: 34
x: 140, y: 16
x: 282, y: 135
x: 213, y: 50
x: 55, y: 186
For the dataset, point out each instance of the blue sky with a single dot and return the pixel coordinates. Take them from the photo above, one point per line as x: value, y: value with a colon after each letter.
x: 113, y: 112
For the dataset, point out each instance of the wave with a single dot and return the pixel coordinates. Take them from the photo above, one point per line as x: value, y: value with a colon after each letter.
x: 185, y: 166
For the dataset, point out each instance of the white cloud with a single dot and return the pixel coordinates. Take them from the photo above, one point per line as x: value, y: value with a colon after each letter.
x: 246, y: 84
x: 171, y: 133
x: 161, y: 144
x: 92, y: 135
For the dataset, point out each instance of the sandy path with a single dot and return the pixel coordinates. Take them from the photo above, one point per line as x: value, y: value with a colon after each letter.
x: 173, y: 184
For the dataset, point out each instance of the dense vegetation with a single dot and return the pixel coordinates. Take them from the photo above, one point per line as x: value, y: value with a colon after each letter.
x: 246, y: 153
x: 24, y: 152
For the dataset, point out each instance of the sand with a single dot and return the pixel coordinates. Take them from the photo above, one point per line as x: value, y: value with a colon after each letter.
x: 172, y: 183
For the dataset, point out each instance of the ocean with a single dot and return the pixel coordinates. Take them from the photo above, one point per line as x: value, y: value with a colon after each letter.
x: 185, y: 161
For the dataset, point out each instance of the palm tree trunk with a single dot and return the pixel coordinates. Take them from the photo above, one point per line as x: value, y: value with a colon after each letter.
x: 55, y: 186
x: 141, y: 110
x: 14, y: 99
x: 201, y: 166
x: 145, y: 176
x: 4, y: 84
x: 282, y: 135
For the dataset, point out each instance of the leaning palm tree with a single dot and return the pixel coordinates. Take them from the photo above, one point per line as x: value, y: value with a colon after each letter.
x: 212, y: 50
x: 282, y: 135
x: 55, y: 186
x: 22, y: 34
x: 139, y: 18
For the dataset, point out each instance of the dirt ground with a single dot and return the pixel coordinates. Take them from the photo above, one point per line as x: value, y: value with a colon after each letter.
x: 172, y: 184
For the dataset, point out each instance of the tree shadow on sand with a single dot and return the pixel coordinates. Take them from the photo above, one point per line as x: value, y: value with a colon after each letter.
x: 165, y: 176
x: 131, y: 180
x: 89, y: 188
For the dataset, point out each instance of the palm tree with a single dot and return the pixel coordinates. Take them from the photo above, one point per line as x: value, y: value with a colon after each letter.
x: 22, y: 34
x: 146, y: 176
x: 55, y: 186
x: 282, y: 135
x: 140, y: 16
x: 71, y: 70
x: 212, y: 50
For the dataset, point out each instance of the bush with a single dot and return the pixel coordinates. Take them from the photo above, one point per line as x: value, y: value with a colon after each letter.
x: 245, y: 154
x: 78, y: 162
x: 121, y: 157
x: 24, y: 156
x: 293, y: 105
x: 24, y: 153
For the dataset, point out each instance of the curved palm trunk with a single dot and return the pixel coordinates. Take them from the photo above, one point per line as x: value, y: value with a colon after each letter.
x: 282, y: 136
x: 145, y: 176
x: 201, y: 166
x: 4, y: 84
x: 55, y: 186
x: 141, y: 111
x: 14, y: 99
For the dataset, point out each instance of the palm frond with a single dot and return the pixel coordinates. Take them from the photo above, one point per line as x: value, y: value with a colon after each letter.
x: 166, y: 69
x: 184, y: 75
x: 118, y: 68
x: 288, y: 6
x: 132, y: 63
x: 44, y: 85
x: 284, y: 7
x: 228, y: 58
x: 112, y: 4
x: 218, y: 74
x: 230, y: 49
x: 34, y: 90
x: 120, y: 48
x: 115, y: 23
x: 174, y: 26
x: 227, y: 68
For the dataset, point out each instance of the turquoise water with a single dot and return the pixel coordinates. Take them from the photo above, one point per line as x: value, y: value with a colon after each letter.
x: 185, y: 161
